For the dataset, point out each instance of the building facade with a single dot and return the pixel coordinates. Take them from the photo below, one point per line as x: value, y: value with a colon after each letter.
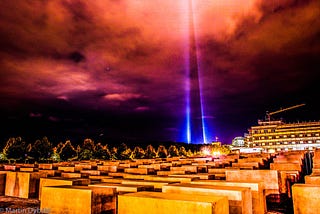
x: 277, y: 136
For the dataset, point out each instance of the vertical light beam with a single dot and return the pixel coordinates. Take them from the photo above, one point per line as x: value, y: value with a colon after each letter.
x: 195, y: 104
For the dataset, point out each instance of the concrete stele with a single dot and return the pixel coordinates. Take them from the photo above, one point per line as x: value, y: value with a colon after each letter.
x: 158, y: 203
x: 78, y: 199
x: 240, y: 198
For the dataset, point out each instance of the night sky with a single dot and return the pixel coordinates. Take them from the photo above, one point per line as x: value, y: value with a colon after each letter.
x: 116, y: 69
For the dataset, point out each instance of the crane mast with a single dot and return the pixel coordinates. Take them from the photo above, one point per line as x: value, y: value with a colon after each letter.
x: 268, y: 114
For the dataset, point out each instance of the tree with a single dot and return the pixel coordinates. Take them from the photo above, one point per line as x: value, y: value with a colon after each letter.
x: 16, y: 148
x: 189, y: 153
x: 67, y: 151
x: 182, y: 151
x: 102, y: 152
x: 87, y: 150
x: 173, y: 151
x: 41, y: 150
x: 162, y: 152
x: 55, y: 157
x: 150, y: 152
x: 138, y: 153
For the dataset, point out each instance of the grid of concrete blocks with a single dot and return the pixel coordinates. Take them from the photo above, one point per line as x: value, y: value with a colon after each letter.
x: 226, y: 184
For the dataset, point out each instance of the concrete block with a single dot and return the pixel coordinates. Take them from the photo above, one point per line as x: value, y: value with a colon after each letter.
x: 78, y: 199
x: 311, y: 179
x: 286, y: 166
x: 23, y: 184
x: 269, y: 178
x: 66, y: 168
x: 258, y: 198
x: 124, y: 188
x: 107, y: 168
x: 158, y: 203
x: 201, y: 176
x: 169, y: 179
x: 157, y: 185
x: 139, y: 171
x: 45, y: 166
x: 171, y: 172
x: 240, y: 198
x: 61, y: 182
x: 70, y: 175
x: 306, y: 198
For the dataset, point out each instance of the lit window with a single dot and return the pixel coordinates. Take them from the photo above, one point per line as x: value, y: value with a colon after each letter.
x: 262, y: 138
x: 317, y: 134
x: 301, y: 141
x: 293, y: 142
x: 278, y: 143
x: 300, y: 135
x: 270, y: 144
x: 284, y: 135
x: 277, y: 136
x: 285, y: 143
x: 263, y: 144
x: 310, y: 141
x: 292, y: 135
x: 309, y: 135
x: 270, y: 137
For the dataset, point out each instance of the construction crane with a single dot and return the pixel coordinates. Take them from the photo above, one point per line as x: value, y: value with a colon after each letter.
x: 268, y: 114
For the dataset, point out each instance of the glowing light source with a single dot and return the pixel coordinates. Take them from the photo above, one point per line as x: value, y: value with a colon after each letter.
x: 206, y: 151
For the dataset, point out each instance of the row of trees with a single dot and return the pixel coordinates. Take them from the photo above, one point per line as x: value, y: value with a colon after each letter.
x: 16, y: 149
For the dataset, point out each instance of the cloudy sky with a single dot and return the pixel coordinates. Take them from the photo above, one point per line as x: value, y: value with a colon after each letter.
x: 117, y: 68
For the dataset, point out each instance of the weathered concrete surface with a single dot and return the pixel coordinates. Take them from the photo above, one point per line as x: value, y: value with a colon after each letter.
x: 159, y: 203
x: 157, y: 185
x: 258, y: 198
x: 201, y: 176
x: 268, y: 178
x: 240, y: 198
x: 23, y: 184
x: 124, y: 188
x: 78, y: 199
x: 139, y: 171
x: 70, y: 175
x: 61, y: 182
x: 306, y: 198
x: 286, y: 166
x: 170, y: 179
x: 312, y: 179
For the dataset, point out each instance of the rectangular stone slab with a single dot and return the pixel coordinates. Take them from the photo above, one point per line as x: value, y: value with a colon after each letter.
x: 125, y: 188
x: 258, y: 198
x: 312, y: 179
x: 306, y: 198
x: 170, y: 179
x: 78, y: 199
x: 66, y: 168
x: 201, y: 176
x: 240, y: 198
x: 23, y: 184
x: 269, y: 178
x: 156, y: 184
x: 139, y: 171
x: 70, y: 175
x: 171, y: 172
x: 61, y: 182
x: 159, y: 203
x: 286, y: 166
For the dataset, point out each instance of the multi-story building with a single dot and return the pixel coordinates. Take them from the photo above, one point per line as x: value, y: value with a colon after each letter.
x: 277, y: 135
